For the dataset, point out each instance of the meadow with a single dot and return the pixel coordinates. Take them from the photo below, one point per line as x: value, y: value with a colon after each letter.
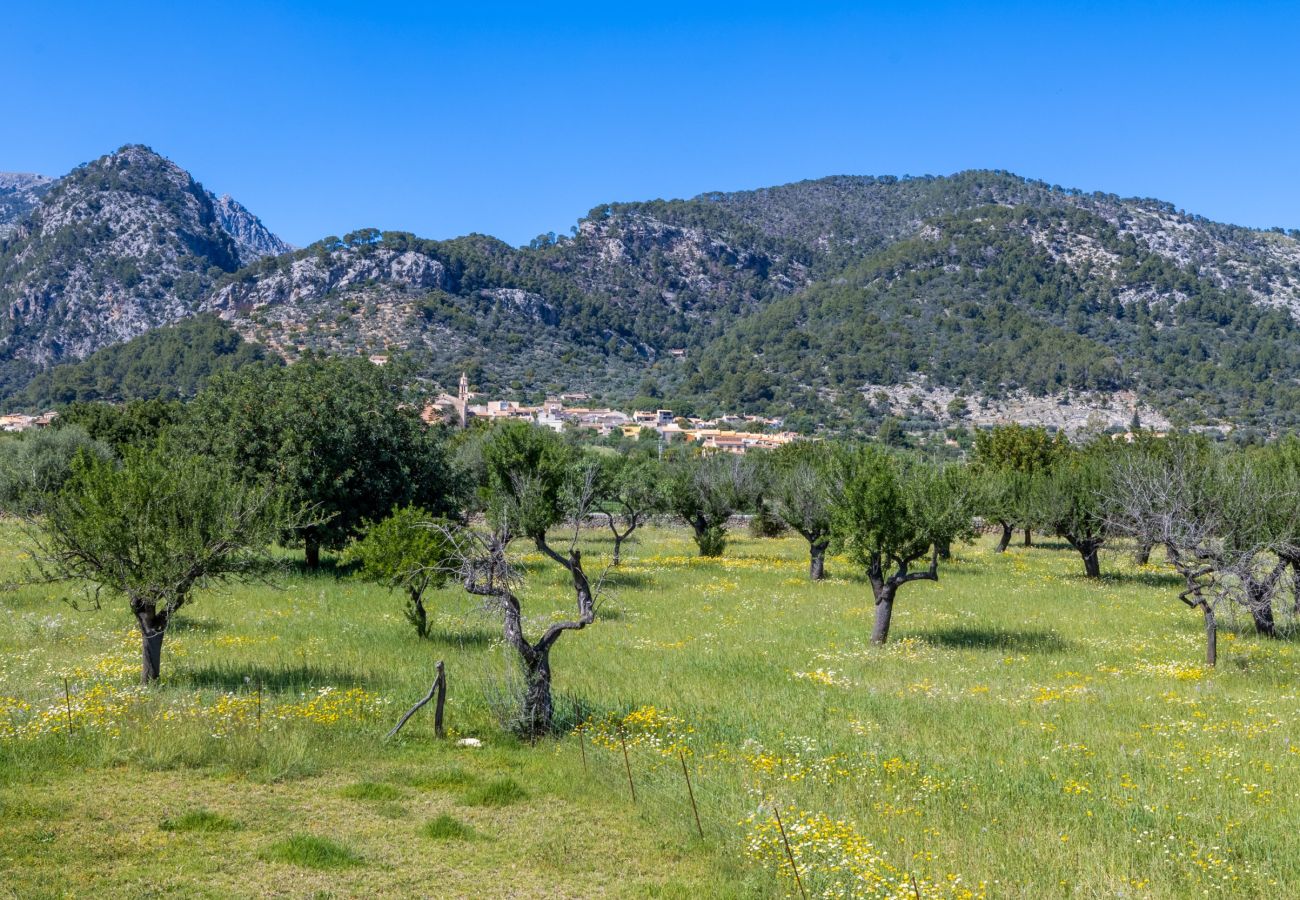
x: 1027, y: 733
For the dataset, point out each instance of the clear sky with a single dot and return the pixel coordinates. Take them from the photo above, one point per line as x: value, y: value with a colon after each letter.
x: 514, y: 120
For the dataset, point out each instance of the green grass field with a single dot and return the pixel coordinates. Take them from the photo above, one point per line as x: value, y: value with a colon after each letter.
x: 1026, y: 734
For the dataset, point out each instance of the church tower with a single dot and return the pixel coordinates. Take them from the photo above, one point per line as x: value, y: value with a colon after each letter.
x: 462, y: 395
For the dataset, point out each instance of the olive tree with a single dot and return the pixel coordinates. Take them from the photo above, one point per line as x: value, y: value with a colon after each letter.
x: 407, y: 551
x: 800, y: 491
x: 34, y: 466
x: 891, y: 514
x: 155, y: 529
x: 705, y: 491
x: 1072, y: 500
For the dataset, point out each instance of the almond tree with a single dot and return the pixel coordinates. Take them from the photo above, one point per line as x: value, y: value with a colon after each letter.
x: 1193, y: 503
x: 800, y: 491
x: 1022, y: 450
x: 892, y: 514
x: 1072, y: 498
x: 155, y: 529
x: 534, y: 485
x: 1278, y: 464
x: 406, y: 551
x: 705, y: 492
x: 629, y: 495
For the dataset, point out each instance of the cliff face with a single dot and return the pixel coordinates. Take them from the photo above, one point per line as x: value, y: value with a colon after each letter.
x: 253, y: 239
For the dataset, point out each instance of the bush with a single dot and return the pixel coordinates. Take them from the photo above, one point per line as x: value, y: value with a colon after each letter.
x: 712, y: 541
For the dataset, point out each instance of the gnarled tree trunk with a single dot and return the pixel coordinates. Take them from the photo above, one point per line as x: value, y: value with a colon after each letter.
x: 1029, y: 537
x: 1211, y: 635
x: 1259, y: 597
x: 1089, y: 549
x: 1005, y: 541
x: 1091, y: 561
x: 817, y: 559
x: 153, y: 628
x: 884, y: 614
x: 1143, y: 554
x: 1263, y: 616
x: 311, y: 551
x: 885, y: 589
x: 538, y: 713
x: 419, y: 616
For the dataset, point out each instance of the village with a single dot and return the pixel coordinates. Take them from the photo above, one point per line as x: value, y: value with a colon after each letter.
x: 24, y: 422
x: 728, y: 433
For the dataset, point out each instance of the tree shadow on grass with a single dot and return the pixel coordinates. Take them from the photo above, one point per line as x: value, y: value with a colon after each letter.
x: 626, y: 579
x: 1036, y: 641
x: 476, y: 638
x: 291, y: 678
x: 1146, y: 579
x: 331, y: 567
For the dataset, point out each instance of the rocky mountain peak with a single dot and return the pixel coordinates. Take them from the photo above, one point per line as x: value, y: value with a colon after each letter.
x: 253, y: 239
x: 120, y: 245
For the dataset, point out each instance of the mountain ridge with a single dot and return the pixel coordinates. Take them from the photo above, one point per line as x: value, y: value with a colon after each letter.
x: 984, y: 283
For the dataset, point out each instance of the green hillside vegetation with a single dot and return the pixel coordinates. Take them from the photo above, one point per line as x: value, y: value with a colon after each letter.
x: 169, y: 363
x: 814, y: 289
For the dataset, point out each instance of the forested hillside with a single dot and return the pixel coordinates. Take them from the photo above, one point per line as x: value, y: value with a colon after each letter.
x: 168, y: 363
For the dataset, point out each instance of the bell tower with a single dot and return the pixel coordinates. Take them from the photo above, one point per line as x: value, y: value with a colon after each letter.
x: 462, y: 396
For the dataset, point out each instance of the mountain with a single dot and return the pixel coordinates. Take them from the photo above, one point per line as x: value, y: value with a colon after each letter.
x: 118, y: 246
x: 841, y: 300
x: 19, y: 194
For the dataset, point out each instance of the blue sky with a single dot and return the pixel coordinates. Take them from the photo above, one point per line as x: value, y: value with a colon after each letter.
x: 514, y: 120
